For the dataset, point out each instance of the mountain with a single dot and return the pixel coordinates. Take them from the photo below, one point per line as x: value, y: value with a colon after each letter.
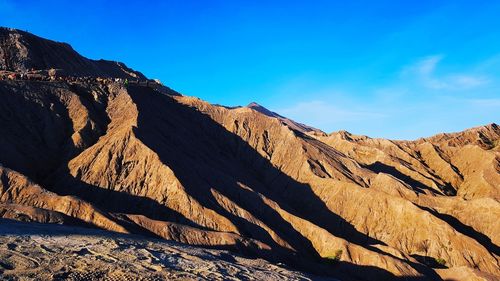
x: 21, y: 51
x: 134, y: 159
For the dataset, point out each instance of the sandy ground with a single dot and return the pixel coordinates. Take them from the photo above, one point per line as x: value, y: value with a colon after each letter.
x: 32, y: 251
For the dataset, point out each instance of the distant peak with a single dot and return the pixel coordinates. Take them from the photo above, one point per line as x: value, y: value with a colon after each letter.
x: 259, y: 108
x: 344, y: 132
x: 254, y: 104
x: 341, y: 133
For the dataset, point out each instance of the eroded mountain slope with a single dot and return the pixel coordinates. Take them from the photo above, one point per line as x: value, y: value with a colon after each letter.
x: 398, y: 223
x: 130, y: 158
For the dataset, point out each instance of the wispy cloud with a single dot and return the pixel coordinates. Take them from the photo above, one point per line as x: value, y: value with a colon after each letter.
x: 328, y: 115
x: 426, y: 97
x: 426, y: 66
x: 425, y: 71
x: 323, y: 109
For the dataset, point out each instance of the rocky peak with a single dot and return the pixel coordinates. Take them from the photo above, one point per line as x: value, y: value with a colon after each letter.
x: 259, y: 108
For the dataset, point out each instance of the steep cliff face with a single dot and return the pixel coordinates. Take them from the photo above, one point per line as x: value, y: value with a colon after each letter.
x: 135, y: 159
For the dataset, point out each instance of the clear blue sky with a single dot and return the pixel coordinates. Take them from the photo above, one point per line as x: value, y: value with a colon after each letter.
x: 394, y: 69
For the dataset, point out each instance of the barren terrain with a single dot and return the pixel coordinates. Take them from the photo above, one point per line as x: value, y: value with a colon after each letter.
x: 54, y: 252
x: 87, y: 148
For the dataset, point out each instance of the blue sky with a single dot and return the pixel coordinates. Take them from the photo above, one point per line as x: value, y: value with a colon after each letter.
x: 392, y: 69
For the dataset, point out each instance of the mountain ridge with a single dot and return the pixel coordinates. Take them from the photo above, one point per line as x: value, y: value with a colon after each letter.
x: 15, y: 55
x: 133, y: 159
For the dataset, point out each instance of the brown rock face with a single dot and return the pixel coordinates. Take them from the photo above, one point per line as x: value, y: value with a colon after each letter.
x: 132, y: 159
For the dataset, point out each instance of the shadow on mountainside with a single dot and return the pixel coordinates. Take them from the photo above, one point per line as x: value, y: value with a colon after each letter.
x: 119, y: 202
x: 379, y: 167
x: 34, y: 137
x: 205, y: 156
x: 465, y: 230
x: 349, y: 271
x: 342, y: 270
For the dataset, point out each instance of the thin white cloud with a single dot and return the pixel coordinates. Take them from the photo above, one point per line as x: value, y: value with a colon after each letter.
x: 469, y: 81
x: 410, y: 98
x: 320, y: 112
x: 424, y: 71
x: 426, y: 66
